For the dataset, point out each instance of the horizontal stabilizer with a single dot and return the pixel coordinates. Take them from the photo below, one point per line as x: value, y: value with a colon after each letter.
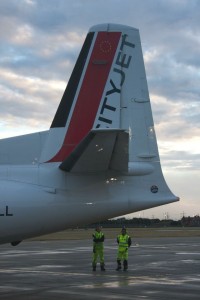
x: 94, y: 152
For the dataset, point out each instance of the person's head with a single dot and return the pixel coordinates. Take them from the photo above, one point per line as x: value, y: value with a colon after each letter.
x: 123, y: 230
x: 98, y: 228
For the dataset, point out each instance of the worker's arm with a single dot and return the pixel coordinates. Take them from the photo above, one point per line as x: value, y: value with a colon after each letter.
x: 101, y: 239
x: 98, y: 240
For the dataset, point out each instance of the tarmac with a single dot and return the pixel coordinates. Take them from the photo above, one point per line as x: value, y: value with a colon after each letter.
x: 159, y: 268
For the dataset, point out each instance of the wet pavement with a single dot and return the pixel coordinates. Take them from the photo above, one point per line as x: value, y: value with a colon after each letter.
x: 162, y: 268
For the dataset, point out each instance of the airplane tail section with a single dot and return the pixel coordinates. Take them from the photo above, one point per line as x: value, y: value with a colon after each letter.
x: 99, y: 159
x: 84, y: 103
x: 104, y: 121
x: 107, y: 90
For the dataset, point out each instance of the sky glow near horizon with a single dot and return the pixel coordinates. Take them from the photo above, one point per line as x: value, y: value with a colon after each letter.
x: 40, y: 42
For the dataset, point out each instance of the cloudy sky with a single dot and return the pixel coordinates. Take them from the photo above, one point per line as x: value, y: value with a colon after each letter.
x: 39, y: 44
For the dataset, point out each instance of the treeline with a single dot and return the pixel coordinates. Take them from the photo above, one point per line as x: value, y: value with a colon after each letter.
x: 191, y: 221
x: 145, y: 222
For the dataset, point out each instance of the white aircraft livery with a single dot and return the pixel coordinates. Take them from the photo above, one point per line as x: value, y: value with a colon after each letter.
x: 99, y: 159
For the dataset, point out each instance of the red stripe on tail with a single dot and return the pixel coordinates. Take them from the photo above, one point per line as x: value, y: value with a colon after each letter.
x: 90, y: 93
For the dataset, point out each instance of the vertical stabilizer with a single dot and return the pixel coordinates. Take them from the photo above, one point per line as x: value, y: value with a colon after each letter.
x: 107, y: 89
x: 108, y: 92
x: 84, y: 97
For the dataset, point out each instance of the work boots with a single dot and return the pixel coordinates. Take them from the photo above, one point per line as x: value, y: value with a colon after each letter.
x: 119, y: 266
x: 125, y: 265
x: 93, y: 267
x: 103, y: 267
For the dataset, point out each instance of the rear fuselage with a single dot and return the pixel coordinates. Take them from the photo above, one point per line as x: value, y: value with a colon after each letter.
x: 41, y: 199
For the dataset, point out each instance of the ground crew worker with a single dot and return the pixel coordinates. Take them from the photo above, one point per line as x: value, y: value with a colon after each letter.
x: 98, y: 248
x: 124, y: 242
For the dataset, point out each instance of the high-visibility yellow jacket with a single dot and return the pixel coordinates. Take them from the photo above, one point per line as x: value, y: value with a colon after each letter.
x: 124, y: 242
x: 98, y: 239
